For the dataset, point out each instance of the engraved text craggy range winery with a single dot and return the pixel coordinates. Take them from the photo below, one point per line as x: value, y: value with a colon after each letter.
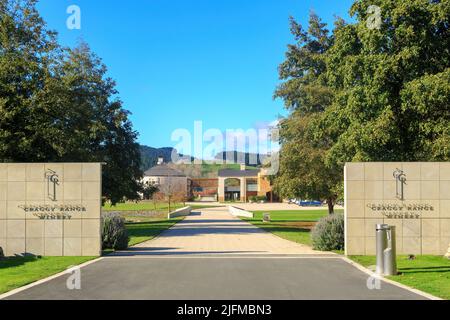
x: 53, y: 211
x: 401, y: 210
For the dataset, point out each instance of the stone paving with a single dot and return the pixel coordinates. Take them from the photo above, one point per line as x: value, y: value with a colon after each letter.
x: 214, y: 231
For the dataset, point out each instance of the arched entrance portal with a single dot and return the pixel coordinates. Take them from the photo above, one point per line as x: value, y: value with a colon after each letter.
x: 232, y: 189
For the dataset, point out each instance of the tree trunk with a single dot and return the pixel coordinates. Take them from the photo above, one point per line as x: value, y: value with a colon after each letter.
x: 169, y: 205
x: 330, y: 203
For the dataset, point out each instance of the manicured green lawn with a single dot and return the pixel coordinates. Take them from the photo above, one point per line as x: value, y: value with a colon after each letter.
x: 17, y: 272
x: 141, y: 206
x: 148, y: 206
x: 290, y: 225
x: 430, y: 274
x: 298, y: 215
x: 144, y: 231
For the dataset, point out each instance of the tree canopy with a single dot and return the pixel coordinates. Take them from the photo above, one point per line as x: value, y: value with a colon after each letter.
x: 303, y: 171
x: 57, y: 104
x: 391, y: 84
x: 364, y: 94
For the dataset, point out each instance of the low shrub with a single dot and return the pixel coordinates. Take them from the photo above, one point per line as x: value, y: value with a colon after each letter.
x: 328, y: 234
x: 261, y: 198
x: 114, y: 232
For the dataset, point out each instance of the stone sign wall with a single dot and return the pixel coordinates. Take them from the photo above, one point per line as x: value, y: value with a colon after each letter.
x: 413, y: 197
x: 50, y: 209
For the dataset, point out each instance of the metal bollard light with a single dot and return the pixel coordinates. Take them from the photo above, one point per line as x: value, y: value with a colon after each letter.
x: 386, y: 250
x: 381, y: 246
x: 390, y: 253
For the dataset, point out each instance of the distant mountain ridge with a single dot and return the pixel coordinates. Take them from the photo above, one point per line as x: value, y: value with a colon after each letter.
x: 150, y: 155
x: 250, y: 159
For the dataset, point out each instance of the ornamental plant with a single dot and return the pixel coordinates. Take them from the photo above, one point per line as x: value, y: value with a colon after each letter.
x: 328, y: 234
x: 114, y: 233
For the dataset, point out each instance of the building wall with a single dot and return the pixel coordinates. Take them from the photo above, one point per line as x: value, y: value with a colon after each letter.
x: 202, y: 187
x: 205, y: 183
x: 50, y: 209
x: 422, y: 218
x: 242, y: 187
x: 263, y: 185
x: 175, y: 184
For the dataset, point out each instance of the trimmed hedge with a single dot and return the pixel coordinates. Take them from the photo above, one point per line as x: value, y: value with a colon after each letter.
x: 258, y: 198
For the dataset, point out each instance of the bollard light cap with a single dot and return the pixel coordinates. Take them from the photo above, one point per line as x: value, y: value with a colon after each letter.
x: 382, y: 227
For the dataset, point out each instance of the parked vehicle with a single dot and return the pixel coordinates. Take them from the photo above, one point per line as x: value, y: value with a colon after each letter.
x: 310, y: 203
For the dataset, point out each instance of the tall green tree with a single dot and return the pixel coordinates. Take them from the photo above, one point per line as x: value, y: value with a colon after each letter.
x: 367, y: 93
x: 391, y: 84
x: 303, y: 171
x: 58, y: 104
x: 100, y: 127
x: 28, y: 54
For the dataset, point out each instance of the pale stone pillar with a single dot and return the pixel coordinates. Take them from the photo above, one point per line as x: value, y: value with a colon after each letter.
x: 447, y: 255
x: 221, y: 191
x: 243, y: 189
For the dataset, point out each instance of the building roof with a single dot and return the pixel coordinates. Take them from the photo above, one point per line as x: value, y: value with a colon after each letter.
x: 238, y: 173
x: 163, y: 170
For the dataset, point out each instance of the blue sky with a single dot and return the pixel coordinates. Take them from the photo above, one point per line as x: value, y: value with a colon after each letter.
x: 176, y: 62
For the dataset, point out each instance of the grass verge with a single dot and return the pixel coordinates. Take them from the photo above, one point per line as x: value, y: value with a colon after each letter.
x: 430, y: 274
x: 294, y: 226
x: 142, y: 206
x: 16, y: 272
x: 149, y: 206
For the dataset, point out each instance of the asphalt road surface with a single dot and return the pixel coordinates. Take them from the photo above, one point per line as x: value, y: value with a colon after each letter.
x: 210, y: 278
x: 212, y: 255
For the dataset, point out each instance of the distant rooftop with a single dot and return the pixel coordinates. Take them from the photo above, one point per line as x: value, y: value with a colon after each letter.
x: 238, y: 173
x: 163, y: 170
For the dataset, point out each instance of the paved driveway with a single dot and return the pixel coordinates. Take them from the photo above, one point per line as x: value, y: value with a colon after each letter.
x: 208, y: 278
x: 215, y: 231
x: 212, y: 255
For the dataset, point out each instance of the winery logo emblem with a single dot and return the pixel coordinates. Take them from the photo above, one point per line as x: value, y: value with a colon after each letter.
x: 400, y: 178
x: 52, y: 182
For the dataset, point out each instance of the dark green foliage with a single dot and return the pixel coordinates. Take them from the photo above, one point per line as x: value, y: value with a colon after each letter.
x: 114, y: 232
x: 392, y: 85
x: 303, y: 172
x: 258, y: 198
x: 149, y: 156
x: 364, y: 94
x: 261, y: 198
x: 328, y: 234
x: 148, y: 190
x: 58, y: 105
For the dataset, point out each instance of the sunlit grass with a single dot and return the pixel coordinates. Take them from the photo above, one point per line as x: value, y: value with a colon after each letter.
x: 19, y: 271
x: 290, y: 225
x: 430, y: 274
